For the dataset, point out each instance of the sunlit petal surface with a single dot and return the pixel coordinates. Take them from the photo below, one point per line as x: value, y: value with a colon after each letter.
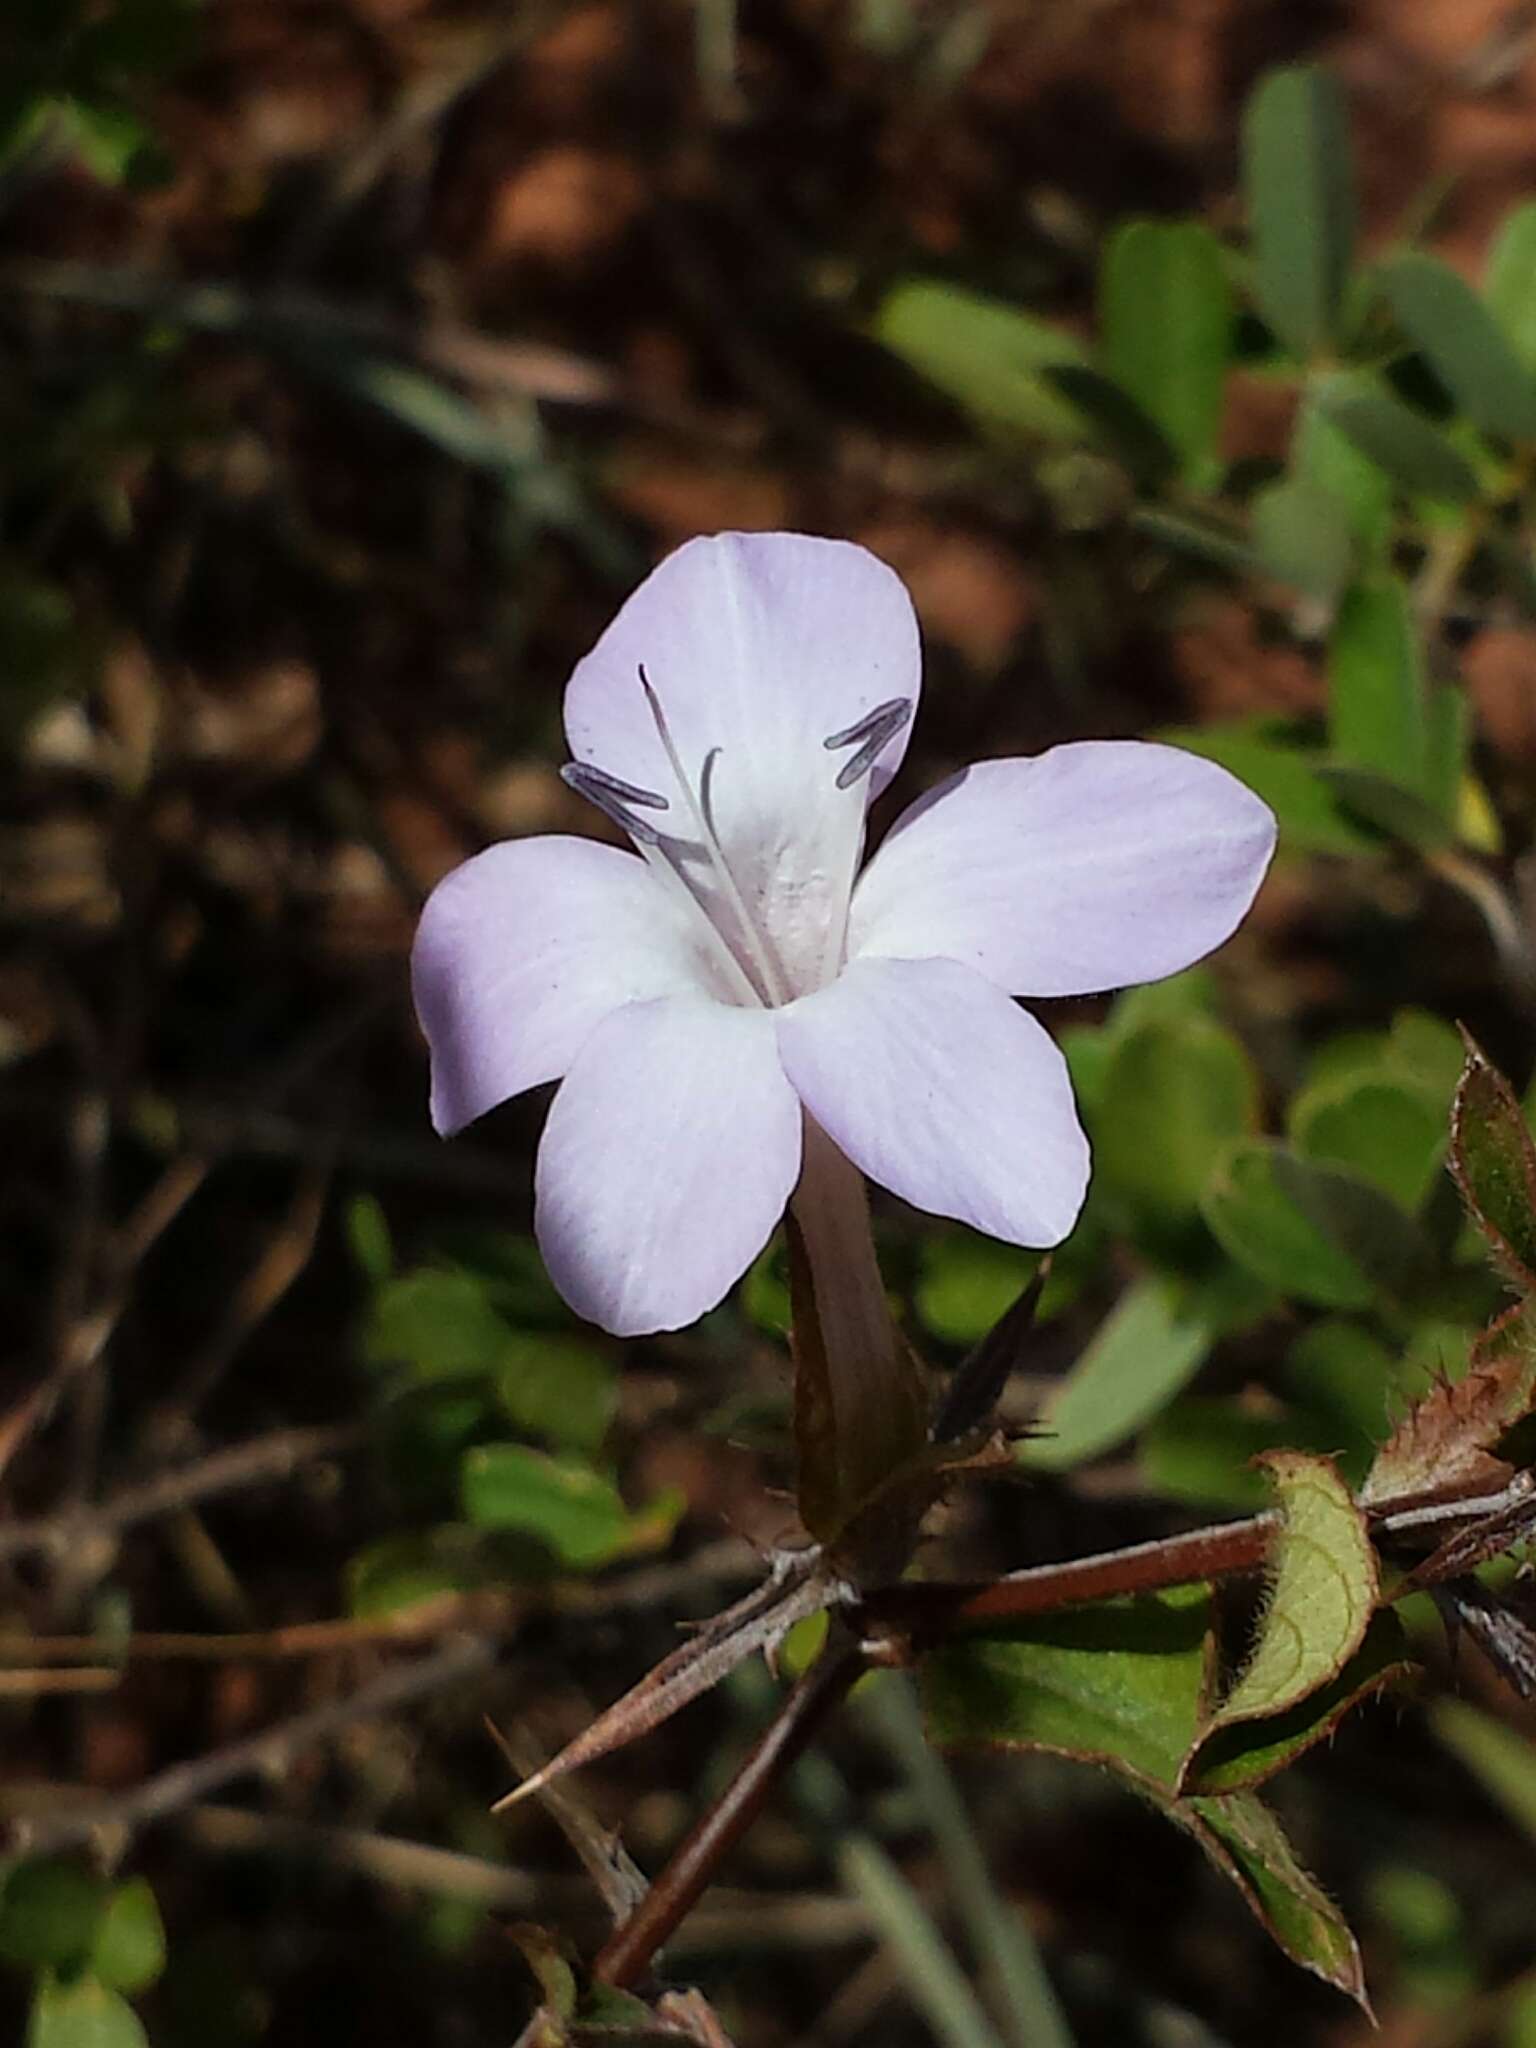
x: 943, y: 1090
x: 522, y: 950
x: 1093, y: 866
x: 670, y: 1152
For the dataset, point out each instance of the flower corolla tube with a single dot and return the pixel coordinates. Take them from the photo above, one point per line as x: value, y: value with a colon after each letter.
x: 698, y: 997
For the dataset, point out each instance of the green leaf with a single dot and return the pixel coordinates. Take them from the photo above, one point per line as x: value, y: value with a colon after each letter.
x: 414, y: 1567
x: 1510, y: 287
x: 1299, y: 185
x: 988, y: 356
x: 1322, y: 1588
x: 1119, y: 1682
x: 1117, y: 421
x: 129, y: 1950
x: 561, y: 1388
x: 967, y: 1282
x: 1465, y: 346
x: 83, y: 2014
x: 1316, y: 1233
x: 574, y: 1511
x: 1494, y: 1163
x: 368, y: 1238
x: 1330, y: 464
x: 49, y: 1914
x: 1502, y: 1759
x: 1165, y: 316
x: 438, y: 1322
x: 1246, y: 1754
x: 1301, y: 536
x: 1142, y: 1354
x: 1200, y: 1452
x: 1176, y: 1093
x: 1400, y: 813
x: 1285, y: 773
x: 1347, y: 1379
x: 1376, y: 696
x: 1245, y: 1841
x: 1402, y: 443
x: 1386, y: 1130
x: 1447, y: 782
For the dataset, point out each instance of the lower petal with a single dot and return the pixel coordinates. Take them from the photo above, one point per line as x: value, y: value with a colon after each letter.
x: 671, y: 1149
x: 943, y: 1091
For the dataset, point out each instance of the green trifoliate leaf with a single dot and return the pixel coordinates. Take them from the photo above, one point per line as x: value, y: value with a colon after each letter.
x: 1299, y: 184
x: 1165, y: 312
x: 1176, y: 1093
x: 1403, y: 444
x: 1387, y: 1130
x: 575, y: 1511
x: 989, y: 357
x: 1466, y: 347
x: 1376, y: 689
x: 129, y: 1949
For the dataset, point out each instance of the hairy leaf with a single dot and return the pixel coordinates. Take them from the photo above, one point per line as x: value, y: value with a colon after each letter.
x: 1245, y: 1841
x: 1244, y: 1754
x: 1323, y: 1583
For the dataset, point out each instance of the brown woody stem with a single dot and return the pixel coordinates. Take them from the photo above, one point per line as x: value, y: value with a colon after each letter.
x: 930, y: 1611
x: 627, y: 1954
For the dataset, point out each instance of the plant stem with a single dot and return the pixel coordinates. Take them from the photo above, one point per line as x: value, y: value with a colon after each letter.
x: 627, y: 1955
x: 932, y: 1611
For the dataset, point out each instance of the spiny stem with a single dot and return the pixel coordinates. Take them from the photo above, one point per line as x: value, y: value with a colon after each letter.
x: 627, y: 1954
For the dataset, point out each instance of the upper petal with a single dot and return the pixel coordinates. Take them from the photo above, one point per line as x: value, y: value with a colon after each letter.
x: 670, y: 1152
x: 1093, y: 866
x: 522, y: 950
x: 760, y: 647
x: 944, y: 1091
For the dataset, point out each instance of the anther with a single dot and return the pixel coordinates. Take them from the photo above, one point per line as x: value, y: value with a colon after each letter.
x: 875, y: 730
x: 615, y: 798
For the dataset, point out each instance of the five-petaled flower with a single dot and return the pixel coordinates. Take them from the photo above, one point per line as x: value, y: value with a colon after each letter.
x: 697, y: 997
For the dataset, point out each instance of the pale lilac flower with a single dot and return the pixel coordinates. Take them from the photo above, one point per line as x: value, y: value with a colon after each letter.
x: 736, y: 719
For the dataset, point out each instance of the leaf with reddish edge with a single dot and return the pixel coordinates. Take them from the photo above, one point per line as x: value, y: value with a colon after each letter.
x: 1115, y: 1682
x: 1323, y: 1583
x: 1238, y: 1757
x: 1245, y: 1841
x: 1494, y: 1164
x: 1443, y: 1446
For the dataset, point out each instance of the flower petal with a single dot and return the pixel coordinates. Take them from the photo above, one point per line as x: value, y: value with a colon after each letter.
x: 670, y: 1152
x: 944, y: 1091
x: 1093, y: 866
x: 760, y: 647
x: 524, y: 949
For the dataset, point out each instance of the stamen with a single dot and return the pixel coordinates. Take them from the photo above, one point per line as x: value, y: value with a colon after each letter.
x: 876, y: 729
x: 615, y: 798
x: 773, y: 984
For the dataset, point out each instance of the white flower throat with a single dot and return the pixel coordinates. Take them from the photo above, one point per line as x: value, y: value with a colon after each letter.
x: 789, y: 942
